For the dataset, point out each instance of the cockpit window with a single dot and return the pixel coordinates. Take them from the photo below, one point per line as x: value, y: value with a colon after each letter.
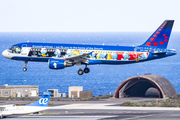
x: 12, y: 48
x: 15, y: 49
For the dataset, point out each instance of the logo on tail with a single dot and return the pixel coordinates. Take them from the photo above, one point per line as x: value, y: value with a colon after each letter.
x: 43, y: 101
x: 160, y: 37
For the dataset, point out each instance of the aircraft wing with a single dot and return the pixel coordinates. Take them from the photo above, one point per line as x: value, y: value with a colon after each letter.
x: 4, y: 106
x: 79, y: 58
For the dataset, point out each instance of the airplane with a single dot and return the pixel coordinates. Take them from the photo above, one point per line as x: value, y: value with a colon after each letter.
x: 60, y: 55
x: 40, y: 105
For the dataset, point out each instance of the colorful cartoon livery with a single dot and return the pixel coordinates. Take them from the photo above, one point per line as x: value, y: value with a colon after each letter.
x: 60, y: 56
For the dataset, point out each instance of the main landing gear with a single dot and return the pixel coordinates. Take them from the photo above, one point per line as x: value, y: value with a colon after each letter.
x: 80, y: 71
x: 25, y: 69
x: 86, y: 69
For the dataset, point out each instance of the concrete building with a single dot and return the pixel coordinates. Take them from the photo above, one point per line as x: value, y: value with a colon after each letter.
x: 85, y: 94
x: 62, y: 94
x: 77, y: 92
x: 74, y: 91
x: 54, y: 93
x: 19, y: 91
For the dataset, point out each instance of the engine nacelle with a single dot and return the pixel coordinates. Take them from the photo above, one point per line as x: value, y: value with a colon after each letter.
x: 58, y: 64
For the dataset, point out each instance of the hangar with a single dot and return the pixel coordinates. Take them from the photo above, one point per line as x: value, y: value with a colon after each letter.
x: 147, y: 85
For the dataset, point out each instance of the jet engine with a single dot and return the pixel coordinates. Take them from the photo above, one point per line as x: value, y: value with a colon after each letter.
x: 58, y: 64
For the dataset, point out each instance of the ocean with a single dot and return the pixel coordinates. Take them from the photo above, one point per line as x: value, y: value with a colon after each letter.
x: 102, y: 79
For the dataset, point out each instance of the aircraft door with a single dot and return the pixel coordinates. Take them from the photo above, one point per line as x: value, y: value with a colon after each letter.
x: 18, y: 94
x: 33, y: 93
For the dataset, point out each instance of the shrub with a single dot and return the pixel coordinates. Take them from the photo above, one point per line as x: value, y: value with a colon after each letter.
x: 23, y: 98
x: 163, y: 103
x: 50, y: 103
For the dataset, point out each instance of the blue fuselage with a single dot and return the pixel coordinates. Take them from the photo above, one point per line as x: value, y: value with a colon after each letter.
x: 101, y: 54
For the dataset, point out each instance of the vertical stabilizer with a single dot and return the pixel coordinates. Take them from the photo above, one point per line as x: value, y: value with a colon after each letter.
x: 160, y: 37
x: 43, y: 101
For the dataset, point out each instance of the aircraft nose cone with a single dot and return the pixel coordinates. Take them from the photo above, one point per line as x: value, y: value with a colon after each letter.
x: 5, y: 54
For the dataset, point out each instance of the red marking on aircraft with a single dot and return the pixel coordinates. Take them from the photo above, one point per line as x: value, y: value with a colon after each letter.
x: 161, y: 43
x: 155, y: 43
x: 165, y: 37
x: 152, y: 39
x: 165, y: 40
x: 155, y: 35
x: 148, y: 44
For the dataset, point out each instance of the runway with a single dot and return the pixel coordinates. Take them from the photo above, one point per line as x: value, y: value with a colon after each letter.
x: 108, y: 109
x: 102, y: 115
x: 103, y: 112
x: 112, y: 107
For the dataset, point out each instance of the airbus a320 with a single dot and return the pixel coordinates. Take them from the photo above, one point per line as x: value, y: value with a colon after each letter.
x: 59, y: 55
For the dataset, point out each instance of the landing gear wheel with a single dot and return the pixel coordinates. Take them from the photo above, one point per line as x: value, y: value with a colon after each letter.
x: 24, y: 69
x: 86, y: 70
x: 80, y: 71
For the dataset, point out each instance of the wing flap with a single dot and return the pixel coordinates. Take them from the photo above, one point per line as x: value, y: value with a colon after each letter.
x: 79, y: 58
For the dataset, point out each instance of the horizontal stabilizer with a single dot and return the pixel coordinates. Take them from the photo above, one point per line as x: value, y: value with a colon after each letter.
x: 159, y: 53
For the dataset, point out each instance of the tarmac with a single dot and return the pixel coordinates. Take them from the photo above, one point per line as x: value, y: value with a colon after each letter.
x: 109, y: 109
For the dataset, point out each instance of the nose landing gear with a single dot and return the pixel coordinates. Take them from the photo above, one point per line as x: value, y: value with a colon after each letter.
x: 25, y: 69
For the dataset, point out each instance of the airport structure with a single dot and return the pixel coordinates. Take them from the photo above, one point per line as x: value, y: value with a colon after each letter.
x: 54, y: 93
x: 145, y: 86
x: 85, y: 94
x: 74, y: 91
x: 77, y: 92
x: 19, y: 91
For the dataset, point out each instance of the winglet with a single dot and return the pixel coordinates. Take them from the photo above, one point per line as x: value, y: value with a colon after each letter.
x: 90, y: 53
x: 43, y: 101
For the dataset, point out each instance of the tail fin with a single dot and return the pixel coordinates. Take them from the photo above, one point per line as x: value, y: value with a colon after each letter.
x: 43, y: 101
x: 161, y: 36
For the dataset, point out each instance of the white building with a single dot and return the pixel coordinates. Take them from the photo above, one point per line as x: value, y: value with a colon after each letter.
x: 19, y: 91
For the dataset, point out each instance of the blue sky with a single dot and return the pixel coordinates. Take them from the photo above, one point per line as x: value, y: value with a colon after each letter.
x: 87, y: 15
